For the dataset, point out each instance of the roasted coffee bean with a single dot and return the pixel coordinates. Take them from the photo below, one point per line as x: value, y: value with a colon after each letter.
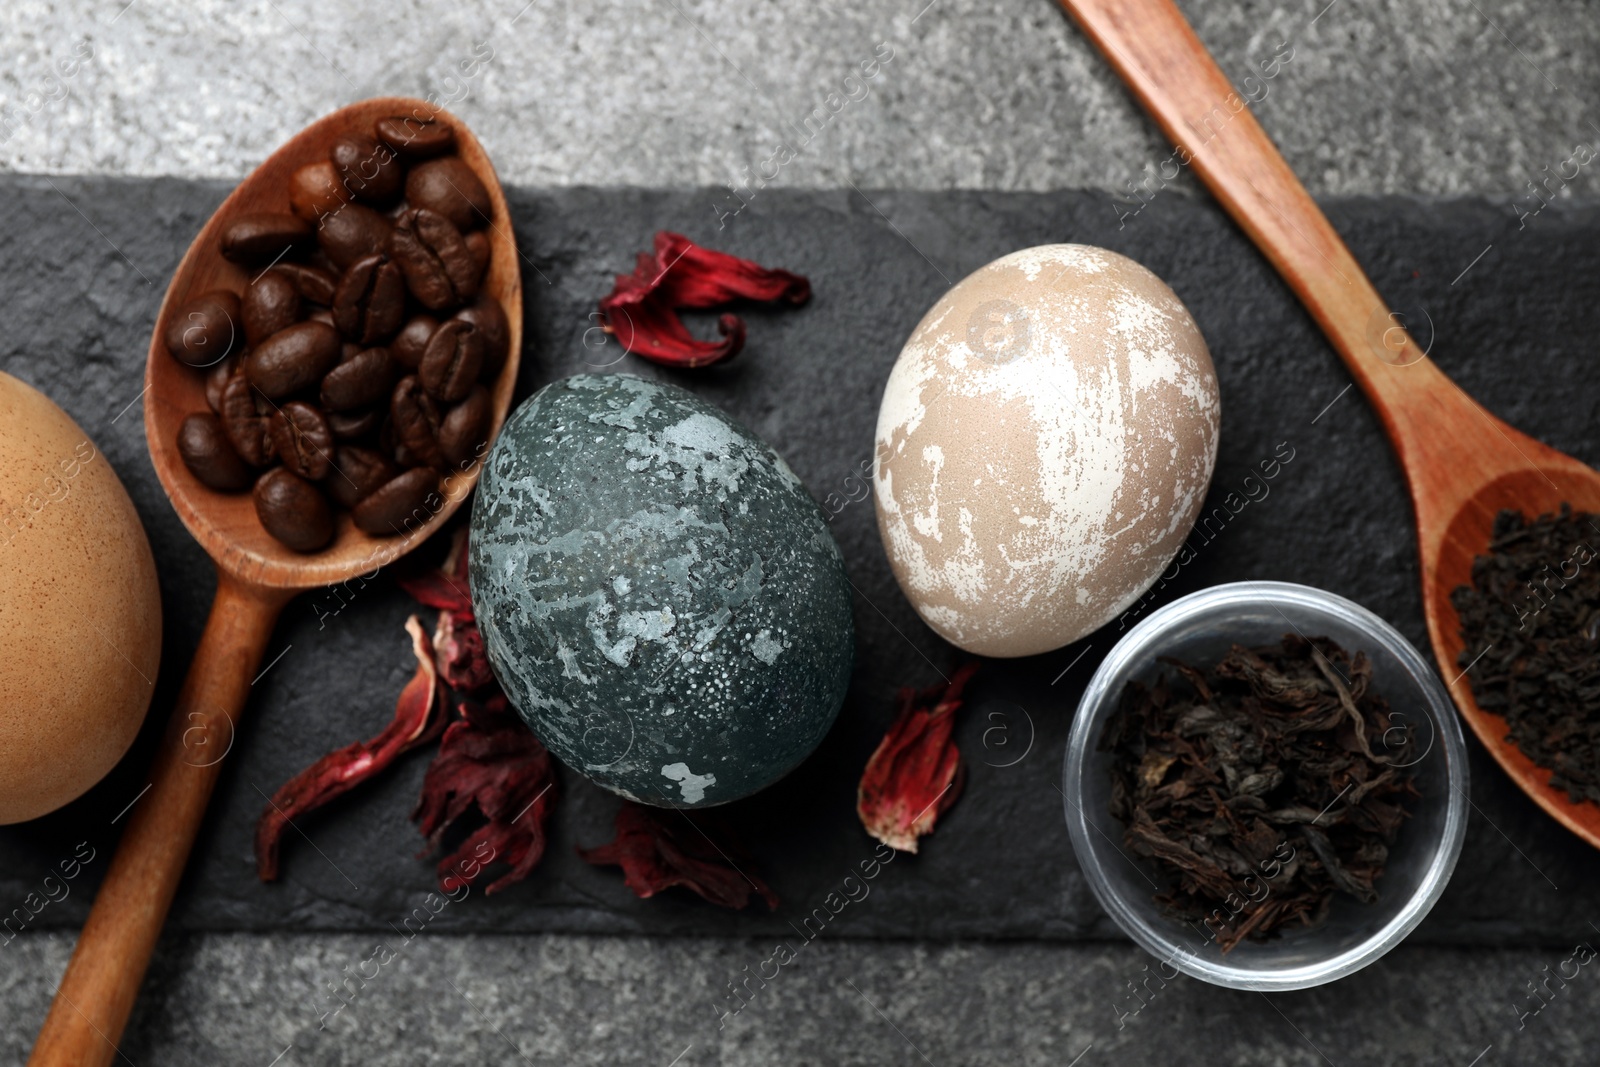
x: 490, y: 319
x: 349, y: 350
x: 438, y: 268
x: 271, y: 303
x: 412, y: 340
x: 217, y: 380
x: 415, y: 419
x: 315, y: 190
x: 478, y: 246
x: 449, y: 187
x: 370, y: 303
x: 244, y: 424
x: 312, y: 283
x: 292, y: 510
x: 324, y: 316
x: 464, y: 428
x: 303, y: 441
x: 452, y: 360
x: 354, y: 425
x: 359, y: 382
x: 417, y: 138
x: 293, y: 359
x: 209, y: 456
x: 205, y: 329
x: 258, y: 238
x: 356, y: 473
x: 368, y: 169
x: 401, y: 506
x: 353, y: 231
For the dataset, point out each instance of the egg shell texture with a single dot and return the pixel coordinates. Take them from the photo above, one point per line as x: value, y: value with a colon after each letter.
x: 658, y: 594
x: 79, y: 605
x: 1044, y: 444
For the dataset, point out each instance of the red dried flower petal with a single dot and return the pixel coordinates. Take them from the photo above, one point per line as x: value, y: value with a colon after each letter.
x: 657, y: 850
x: 459, y: 654
x: 916, y: 772
x: 445, y: 588
x: 697, y: 277
x: 641, y: 310
x: 489, y: 758
x: 414, y: 723
x: 653, y: 330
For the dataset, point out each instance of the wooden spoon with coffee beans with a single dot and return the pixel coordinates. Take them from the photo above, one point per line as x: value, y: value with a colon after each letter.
x: 257, y: 575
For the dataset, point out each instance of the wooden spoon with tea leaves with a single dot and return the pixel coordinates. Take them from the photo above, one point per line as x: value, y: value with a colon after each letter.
x: 256, y: 577
x: 1462, y: 463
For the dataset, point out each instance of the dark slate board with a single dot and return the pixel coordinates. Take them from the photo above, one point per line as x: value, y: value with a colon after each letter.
x: 84, y: 263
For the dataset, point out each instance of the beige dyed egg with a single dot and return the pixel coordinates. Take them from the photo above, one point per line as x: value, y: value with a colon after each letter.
x: 1043, y: 447
x: 79, y: 607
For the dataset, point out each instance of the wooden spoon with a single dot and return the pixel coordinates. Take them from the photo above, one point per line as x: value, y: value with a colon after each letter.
x: 256, y: 577
x: 1462, y: 463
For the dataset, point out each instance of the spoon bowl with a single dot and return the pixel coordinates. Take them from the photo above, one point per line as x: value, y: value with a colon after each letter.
x: 225, y: 524
x: 256, y: 576
x: 1532, y: 490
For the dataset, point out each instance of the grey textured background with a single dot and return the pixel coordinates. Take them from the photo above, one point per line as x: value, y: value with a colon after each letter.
x: 1437, y: 97
x: 1394, y: 96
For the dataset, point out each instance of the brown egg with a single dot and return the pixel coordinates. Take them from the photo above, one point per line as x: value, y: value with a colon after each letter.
x: 1044, y: 444
x: 79, y: 607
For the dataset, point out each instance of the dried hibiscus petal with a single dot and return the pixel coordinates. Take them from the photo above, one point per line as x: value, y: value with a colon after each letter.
x: 654, y: 331
x: 459, y: 654
x: 457, y: 643
x: 697, y: 277
x: 641, y: 310
x: 489, y: 758
x: 414, y: 723
x: 916, y: 772
x: 657, y: 850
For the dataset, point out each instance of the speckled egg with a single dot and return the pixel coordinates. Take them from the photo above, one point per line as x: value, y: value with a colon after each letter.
x: 1044, y: 444
x: 659, y: 595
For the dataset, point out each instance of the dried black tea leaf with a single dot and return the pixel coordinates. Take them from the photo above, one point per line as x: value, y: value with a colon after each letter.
x: 1262, y: 786
x: 1530, y: 622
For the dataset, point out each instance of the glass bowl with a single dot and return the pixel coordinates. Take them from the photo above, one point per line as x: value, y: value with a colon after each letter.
x: 1200, y: 628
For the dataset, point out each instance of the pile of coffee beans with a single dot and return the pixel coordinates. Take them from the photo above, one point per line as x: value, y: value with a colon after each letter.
x: 354, y: 370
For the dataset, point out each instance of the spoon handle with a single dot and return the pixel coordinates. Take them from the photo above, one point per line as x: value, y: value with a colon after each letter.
x: 102, y: 980
x: 1158, y: 56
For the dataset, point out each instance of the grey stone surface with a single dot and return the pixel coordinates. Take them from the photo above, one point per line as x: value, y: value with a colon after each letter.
x: 242, y: 999
x: 1403, y: 96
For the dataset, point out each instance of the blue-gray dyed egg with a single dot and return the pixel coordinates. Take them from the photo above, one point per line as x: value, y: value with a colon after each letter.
x: 658, y: 594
